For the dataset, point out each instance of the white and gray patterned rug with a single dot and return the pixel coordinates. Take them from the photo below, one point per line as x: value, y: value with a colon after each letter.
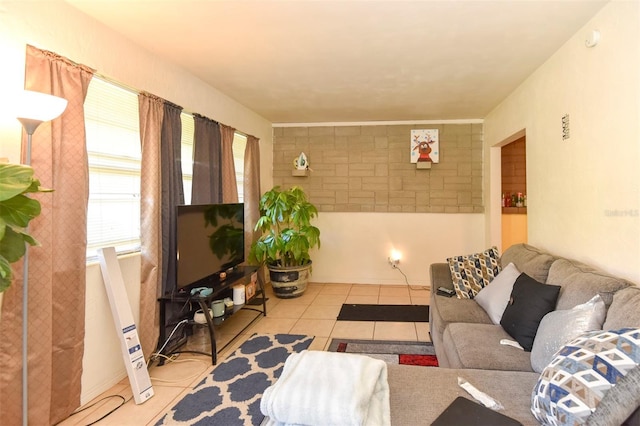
x: 231, y: 394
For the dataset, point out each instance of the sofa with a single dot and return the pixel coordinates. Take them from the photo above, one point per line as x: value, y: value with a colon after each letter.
x: 468, y: 344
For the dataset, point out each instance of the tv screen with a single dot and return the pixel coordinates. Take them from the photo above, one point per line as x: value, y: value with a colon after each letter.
x: 210, y: 239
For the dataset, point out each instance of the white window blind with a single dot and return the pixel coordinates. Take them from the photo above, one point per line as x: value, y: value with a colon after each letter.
x: 239, y: 145
x: 188, y: 132
x: 113, y: 145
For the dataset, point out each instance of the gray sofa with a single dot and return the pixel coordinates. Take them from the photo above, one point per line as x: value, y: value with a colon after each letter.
x: 467, y: 344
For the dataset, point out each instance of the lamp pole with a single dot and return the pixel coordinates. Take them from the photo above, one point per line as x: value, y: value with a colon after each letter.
x: 34, y: 108
x: 25, y: 305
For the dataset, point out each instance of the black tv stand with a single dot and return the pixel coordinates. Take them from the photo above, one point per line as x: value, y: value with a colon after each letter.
x: 239, y: 275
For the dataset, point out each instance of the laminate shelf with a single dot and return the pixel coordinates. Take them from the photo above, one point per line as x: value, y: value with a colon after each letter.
x: 242, y: 275
x: 514, y: 210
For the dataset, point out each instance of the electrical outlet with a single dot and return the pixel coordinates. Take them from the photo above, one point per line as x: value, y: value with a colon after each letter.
x: 394, y: 262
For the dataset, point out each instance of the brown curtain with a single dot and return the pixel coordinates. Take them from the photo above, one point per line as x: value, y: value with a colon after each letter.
x: 151, y: 110
x: 57, y: 268
x: 229, y: 185
x: 207, y: 174
x: 251, y: 192
x: 172, y: 190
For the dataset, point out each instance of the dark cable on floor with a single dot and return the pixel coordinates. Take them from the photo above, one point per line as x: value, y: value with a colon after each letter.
x: 124, y: 401
x: 406, y: 280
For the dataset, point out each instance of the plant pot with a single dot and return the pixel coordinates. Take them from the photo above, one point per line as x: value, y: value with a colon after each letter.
x: 289, y: 282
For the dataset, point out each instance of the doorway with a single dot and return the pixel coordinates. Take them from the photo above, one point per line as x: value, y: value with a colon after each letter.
x: 514, y: 192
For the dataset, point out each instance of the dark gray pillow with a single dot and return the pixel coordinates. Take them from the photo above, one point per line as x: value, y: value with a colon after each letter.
x: 530, y: 301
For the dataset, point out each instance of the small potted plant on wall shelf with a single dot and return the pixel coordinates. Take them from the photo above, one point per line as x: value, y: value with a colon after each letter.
x: 287, y: 237
x: 16, y: 211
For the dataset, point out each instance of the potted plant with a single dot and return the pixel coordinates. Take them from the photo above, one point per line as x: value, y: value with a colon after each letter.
x: 287, y: 237
x: 16, y: 211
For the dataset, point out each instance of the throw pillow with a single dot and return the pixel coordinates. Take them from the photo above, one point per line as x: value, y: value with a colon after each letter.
x: 470, y: 273
x: 494, y: 298
x: 597, y: 369
x: 559, y: 327
x: 529, y: 302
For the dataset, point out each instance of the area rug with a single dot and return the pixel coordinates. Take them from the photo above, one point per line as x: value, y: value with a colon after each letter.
x: 394, y: 313
x: 392, y: 352
x: 230, y: 394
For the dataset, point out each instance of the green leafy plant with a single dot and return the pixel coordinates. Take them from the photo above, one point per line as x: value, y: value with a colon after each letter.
x: 16, y: 211
x: 228, y: 238
x: 287, y: 233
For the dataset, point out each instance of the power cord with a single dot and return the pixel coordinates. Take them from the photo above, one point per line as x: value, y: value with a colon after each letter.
x: 406, y: 280
x: 173, y: 359
x: 155, y: 355
x: 123, y: 402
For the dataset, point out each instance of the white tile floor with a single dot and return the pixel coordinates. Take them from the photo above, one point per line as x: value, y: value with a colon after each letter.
x: 314, y: 313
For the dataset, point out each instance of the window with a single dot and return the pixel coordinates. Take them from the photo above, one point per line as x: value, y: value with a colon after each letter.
x: 188, y: 131
x: 239, y: 145
x: 113, y: 145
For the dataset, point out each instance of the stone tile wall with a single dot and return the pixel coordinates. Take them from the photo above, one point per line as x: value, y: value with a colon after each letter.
x: 368, y: 168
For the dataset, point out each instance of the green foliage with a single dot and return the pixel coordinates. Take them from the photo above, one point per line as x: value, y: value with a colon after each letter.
x: 16, y: 211
x: 228, y: 239
x: 287, y: 233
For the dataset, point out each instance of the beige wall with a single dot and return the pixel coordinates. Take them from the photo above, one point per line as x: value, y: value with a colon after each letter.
x: 372, y: 200
x: 356, y: 246
x: 583, y: 193
x: 55, y: 26
x: 367, y: 168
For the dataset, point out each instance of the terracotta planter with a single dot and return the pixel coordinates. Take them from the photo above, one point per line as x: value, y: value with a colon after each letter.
x: 289, y: 282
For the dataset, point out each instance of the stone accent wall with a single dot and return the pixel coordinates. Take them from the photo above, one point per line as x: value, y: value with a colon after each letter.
x: 368, y: 169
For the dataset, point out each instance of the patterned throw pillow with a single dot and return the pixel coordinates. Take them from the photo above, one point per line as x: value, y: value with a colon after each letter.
x: 581, y: 375
x: 471, y: 273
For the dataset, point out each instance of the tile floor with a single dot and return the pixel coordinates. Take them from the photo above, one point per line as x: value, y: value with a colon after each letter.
x: 314, y: 313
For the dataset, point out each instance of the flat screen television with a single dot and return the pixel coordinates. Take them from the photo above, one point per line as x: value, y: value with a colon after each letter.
x: 210, y: 240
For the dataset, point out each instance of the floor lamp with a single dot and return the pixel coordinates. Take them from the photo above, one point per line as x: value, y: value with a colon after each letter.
x: 33, y: 109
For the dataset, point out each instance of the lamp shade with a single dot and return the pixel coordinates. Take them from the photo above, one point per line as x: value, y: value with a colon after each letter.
x: 33, y: 108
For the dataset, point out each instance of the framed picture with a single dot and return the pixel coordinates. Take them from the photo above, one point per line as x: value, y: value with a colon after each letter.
x: 425, y: 146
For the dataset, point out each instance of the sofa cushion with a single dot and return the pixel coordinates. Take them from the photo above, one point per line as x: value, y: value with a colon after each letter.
x: 471, y: 272
x: 418, y: 395
x: 447, y: 310
x: 530, y: 260
x: 560, y: 327
x: 580, y: 282
x: 478, y: 346
x: 530, y: 301
x: 494, y: 297
x: 615, y: 406
x: 596, y: 368
x: 624, y: 310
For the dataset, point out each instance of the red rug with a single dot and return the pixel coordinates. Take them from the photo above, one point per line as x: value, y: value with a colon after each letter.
x: 393, y: 352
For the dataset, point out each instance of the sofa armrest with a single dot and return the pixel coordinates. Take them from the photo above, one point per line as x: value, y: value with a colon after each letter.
x: 440, y: 276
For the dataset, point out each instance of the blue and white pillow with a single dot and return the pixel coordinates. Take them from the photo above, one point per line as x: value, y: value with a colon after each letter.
x: 587, y: 373
x: 471, y: 273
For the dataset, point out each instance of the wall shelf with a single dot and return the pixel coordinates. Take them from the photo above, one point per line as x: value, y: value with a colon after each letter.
x: 514, y: 210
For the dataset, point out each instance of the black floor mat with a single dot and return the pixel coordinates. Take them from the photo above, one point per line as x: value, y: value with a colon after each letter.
x: 395, y: 313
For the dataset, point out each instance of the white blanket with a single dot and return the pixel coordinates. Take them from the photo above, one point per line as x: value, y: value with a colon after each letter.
x: 329, y: 388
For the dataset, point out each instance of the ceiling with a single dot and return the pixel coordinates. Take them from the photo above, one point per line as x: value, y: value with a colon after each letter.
x: 334, y: 61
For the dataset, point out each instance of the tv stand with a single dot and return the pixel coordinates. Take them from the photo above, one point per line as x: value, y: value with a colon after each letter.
x: 220, y: 287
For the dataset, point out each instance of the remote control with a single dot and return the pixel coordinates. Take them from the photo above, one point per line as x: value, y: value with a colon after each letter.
x: 446, y: 290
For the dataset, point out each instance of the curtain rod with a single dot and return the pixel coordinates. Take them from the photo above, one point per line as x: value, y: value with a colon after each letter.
x: 137, y: 92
